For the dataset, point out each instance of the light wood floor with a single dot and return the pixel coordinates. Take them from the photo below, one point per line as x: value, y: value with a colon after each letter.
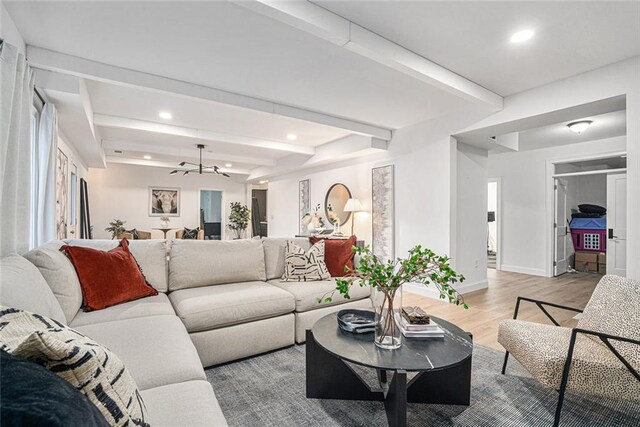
x: 489, y: 306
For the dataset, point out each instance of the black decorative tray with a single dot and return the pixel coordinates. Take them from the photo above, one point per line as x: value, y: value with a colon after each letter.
x: 356, y: 321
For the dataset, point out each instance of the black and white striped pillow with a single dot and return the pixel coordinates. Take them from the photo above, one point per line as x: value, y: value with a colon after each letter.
x: 301, y: 266
x: 90, y: 367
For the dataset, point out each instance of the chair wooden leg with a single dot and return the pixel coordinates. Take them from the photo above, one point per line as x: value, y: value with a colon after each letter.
x: 504, y: 365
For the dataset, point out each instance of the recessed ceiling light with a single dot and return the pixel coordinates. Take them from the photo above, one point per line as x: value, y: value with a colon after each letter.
x: 147, y: 157
x: 228, y: 165
x: 292, y: 136
x: 264, y: 181
x: 522, y: 36
x: 579, y: 126
x: 165, y: 115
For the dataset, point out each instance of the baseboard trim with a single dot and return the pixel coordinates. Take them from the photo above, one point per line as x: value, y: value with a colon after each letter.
x: 524, y: 270
x: 431, y: 292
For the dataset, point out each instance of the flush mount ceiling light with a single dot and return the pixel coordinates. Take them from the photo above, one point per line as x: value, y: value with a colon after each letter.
x: 198, y: 167
x: 292, y: 136
x: 579, y: 126
x: 165, y: 115
x: 522, y: 36
x: 147, y: 157
x: 228, y: 165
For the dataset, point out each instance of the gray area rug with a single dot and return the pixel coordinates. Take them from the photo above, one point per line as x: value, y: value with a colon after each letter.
x: 269, y: 390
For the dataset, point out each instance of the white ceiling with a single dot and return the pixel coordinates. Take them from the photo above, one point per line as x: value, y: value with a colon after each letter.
x: 604, y: 126
x: 143, y: 104
x: 223, y: 45
x: 471, y: 38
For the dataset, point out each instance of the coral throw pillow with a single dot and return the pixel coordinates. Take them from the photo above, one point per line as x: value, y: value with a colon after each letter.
x: 108, y: 278
x: 338, y: 253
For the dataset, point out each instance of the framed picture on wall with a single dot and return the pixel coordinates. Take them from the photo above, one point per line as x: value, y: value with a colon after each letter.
x: 382, y: 212
x: 164, y: 201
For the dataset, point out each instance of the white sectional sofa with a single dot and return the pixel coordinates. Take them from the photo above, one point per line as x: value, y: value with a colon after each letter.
x: 218, y: 301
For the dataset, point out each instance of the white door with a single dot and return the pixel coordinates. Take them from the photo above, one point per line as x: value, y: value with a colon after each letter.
x: 561, y: 237
x: 617, y: 224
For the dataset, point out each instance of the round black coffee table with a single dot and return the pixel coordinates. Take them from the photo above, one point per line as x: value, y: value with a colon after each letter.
x: 443, y: 367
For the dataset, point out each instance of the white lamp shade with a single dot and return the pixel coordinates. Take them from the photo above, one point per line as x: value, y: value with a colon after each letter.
x: 353, y: 205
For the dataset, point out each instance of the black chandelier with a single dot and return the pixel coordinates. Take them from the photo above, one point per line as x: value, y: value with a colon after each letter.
x: 198, y: 167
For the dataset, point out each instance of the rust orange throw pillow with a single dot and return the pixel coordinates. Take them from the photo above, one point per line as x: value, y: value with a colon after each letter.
x: 338, y: 253
x: 108, y: 278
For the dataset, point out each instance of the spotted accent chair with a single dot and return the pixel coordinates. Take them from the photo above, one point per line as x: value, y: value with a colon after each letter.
x: 600, y: 357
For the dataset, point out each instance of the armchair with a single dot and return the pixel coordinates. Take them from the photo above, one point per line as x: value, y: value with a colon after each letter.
x: 600, y: 357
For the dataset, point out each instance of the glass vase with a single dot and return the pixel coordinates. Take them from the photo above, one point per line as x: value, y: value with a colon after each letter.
x: 387, y: 334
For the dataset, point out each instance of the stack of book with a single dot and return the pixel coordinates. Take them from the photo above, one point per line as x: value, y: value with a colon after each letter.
x: 413, y: 327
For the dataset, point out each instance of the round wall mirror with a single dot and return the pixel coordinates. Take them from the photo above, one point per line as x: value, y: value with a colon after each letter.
x: 335, y: 200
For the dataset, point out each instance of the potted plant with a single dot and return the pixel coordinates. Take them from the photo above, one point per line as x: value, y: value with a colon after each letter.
x: 421, y: 266
x: 239, y: 218
x: 116, y: 227
x: 164, y: 221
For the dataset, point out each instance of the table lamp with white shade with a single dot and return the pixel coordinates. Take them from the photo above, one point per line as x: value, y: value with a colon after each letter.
x: 353, y: 205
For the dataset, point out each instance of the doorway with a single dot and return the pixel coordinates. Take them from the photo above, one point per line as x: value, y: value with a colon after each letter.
x: 589, y: 216
x: 493, y: 224
x: 259, y: 224
x: 211, y: 218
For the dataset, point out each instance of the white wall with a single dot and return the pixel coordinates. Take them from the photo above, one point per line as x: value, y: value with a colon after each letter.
x: 122, y: 191
x: 592, y: 189
x: 471, y: 216
x: 524, y: 200
x: 282, y: 199
x: 8, y: 30
x: 613, y: 80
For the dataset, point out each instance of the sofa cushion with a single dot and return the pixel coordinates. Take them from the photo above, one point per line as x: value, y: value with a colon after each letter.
x: 144, y: 307
x: 338, y: 254
x: 542, y: 350
x: 213, y: 307
x: 151, y: 256
x: 614, y: 308
x: 195, y: 263
x: 22, y: 286
x: 108, y: 278
x: 274, y: 248
x: 60, y: 275
x: 190, y: 403
x: 156, y: 349
x: 34, y: 396
x: 304, y: 266
x: 306, y: 294
x: 90, y: 367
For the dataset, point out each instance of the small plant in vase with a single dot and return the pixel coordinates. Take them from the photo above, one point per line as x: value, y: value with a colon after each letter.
x: 164, y: 221
x: 313, y: 220
x: 116, y: 227
x: 334, y: 220
x: 239, y: 218
x: 386, y: 278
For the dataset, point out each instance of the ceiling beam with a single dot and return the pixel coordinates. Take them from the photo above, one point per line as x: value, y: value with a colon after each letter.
x: 329, y: 26
x: 180, y: 153
x: 341, y: 149
x: 126, y: 123
x: 45, y: 59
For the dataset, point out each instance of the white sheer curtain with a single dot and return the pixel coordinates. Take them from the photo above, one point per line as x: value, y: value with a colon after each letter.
x: 16, y: 97
x: 46, y: 152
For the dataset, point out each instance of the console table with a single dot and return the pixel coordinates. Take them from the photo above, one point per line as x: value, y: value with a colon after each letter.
x: 443, y: 366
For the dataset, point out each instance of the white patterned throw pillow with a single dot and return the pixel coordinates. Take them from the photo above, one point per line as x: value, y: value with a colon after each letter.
x: 301, y: 266
x: 87, y: 365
